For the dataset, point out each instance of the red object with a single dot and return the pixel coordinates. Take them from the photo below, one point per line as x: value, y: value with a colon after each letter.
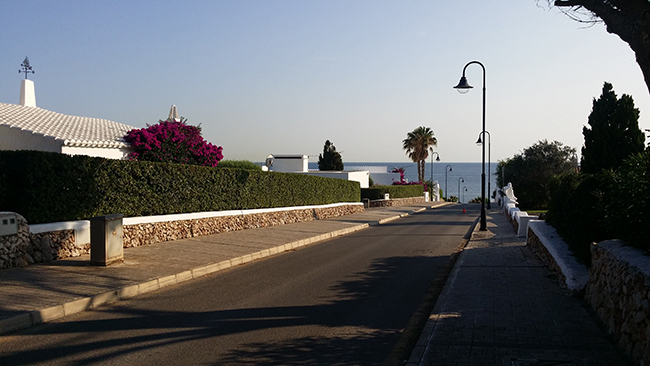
x: 464, y: 211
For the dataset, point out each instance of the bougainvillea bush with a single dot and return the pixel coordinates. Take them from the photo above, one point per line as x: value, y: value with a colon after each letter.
x: 173, y: 142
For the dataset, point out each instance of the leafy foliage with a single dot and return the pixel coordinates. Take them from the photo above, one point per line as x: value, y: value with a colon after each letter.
x: 613, y: 204
x: 531, y: 171
x: 51, y: 187
x: 330, y: 159
x: 173, y: 142
x: 614, y: 134
x: 239, y: 164
x: 417, y: 144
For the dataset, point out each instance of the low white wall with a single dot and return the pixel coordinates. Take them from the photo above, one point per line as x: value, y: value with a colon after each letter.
x: 575, y: 274
x: 359, y: 176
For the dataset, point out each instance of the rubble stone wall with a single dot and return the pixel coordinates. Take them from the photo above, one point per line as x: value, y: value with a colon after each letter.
x: 27, y: 248
x: 619, y: 291
x: 158, y: 232
x: 396, y: 202
x: 535, y: 243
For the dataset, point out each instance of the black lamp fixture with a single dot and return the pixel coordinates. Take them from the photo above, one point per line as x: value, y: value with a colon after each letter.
x: 464, y: 87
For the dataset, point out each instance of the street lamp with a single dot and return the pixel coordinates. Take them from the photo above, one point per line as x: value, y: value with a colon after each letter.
x: 464, y: 190
x: 479, y: 142
x: 463, y: 87
x: 437, y: 159
x: 460, y: 180
x: 446, y: 190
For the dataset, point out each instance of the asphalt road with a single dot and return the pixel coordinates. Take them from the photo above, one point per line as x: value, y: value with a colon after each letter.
x: 346, y: 301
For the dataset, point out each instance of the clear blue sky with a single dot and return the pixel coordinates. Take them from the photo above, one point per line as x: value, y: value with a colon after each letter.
x: 282, y: 76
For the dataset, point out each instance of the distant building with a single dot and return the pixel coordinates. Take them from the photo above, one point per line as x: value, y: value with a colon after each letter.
x: 26, y: 127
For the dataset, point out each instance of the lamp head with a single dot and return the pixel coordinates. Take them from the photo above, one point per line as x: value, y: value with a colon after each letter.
x: 463, y: 86
x: 479, y: 142
x: 438, y: 158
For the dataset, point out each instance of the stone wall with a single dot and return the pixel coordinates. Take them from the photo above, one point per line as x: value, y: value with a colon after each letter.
x: 396, y: 202
x: 619, y: 291
x: 534, y: 242
x: 28, y: 248
x: 158, y: 232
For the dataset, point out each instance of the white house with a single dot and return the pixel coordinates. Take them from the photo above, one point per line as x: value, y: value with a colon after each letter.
x: 299, y: 164
x: 26, y: 127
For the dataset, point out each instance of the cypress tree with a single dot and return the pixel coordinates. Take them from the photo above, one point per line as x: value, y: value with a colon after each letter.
x: 614, y: 134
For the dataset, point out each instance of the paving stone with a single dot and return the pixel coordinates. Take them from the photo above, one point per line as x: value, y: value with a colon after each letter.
x: 511, y: 311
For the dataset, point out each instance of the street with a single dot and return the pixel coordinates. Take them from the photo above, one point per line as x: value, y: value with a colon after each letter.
x: 346, y: 301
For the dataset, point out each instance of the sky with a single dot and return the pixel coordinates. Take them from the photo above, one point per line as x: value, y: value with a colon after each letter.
x: 282, y: 76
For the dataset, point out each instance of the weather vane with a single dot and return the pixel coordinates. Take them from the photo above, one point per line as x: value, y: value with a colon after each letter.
x: 27, y: 69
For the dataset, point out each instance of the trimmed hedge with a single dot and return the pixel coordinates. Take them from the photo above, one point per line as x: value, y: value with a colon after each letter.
x: 404, y: 191
x: 51, y: 187
x: 239, y: 164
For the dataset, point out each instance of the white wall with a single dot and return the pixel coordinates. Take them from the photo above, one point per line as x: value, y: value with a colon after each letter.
x: 290, y: 163
x: 110, y: 153
x: 384, y: 179
x: 16, y: 139
x: 361, y: 176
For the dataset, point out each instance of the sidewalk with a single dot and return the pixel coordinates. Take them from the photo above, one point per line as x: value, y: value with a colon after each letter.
x: 49, y: 291
x: 502, y: 306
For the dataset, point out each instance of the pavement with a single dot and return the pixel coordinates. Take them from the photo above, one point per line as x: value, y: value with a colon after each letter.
x: 502, y: 306
x: 48, y: 291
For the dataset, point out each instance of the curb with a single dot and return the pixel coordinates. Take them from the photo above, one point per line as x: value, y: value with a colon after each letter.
x: 420, y: 349
x: 51, y: 313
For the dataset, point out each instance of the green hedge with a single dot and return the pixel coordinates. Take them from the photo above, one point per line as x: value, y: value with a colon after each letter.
x: 615, y: 204
x: 239, y: 164
x: 405, y: 191
x: 50, y: 187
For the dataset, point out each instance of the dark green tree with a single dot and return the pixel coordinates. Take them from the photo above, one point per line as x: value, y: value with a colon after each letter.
x: 330, y: 159
x: 532, y: 171
x: 614, y: 132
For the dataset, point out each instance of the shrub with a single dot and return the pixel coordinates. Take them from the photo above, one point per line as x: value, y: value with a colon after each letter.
x: 50, y: 187
x: 239, y: 164
x: 588, y: 208
x: 395, y: 191
x: 173, y: 142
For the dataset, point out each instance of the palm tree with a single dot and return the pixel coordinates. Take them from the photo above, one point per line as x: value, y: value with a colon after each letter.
x: 416, y: 144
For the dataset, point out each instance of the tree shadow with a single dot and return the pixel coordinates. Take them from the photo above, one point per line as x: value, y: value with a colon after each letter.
x: 372, y: 306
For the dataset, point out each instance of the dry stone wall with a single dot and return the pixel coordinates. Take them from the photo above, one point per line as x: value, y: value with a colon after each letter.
x: 28, y: 248
x: 619, y: 291
x: 396, y: 202
x: 158, y: 232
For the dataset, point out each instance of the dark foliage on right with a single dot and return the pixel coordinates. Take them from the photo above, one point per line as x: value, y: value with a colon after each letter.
x: 613, y: 133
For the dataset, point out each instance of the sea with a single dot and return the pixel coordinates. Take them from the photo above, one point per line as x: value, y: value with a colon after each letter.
x: 463, y: 180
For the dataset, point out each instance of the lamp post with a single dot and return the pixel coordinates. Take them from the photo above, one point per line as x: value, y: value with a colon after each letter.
x: 464, y: 190
x: 463, y: 87
x: 447, y: 170
x: 479, y: 142
x: 437, y: 159
x: 460, y: 180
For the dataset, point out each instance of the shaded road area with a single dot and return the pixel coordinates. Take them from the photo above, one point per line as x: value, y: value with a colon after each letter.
x: 345, y: 301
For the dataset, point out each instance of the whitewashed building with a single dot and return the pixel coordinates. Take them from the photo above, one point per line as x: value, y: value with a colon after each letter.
x: 26, y: 127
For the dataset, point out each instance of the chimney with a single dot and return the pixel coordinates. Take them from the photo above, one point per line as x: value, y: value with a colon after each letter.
x: 27, y: 94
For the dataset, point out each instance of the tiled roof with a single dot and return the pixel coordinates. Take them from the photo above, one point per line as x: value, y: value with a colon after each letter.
x: 73, y: 130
